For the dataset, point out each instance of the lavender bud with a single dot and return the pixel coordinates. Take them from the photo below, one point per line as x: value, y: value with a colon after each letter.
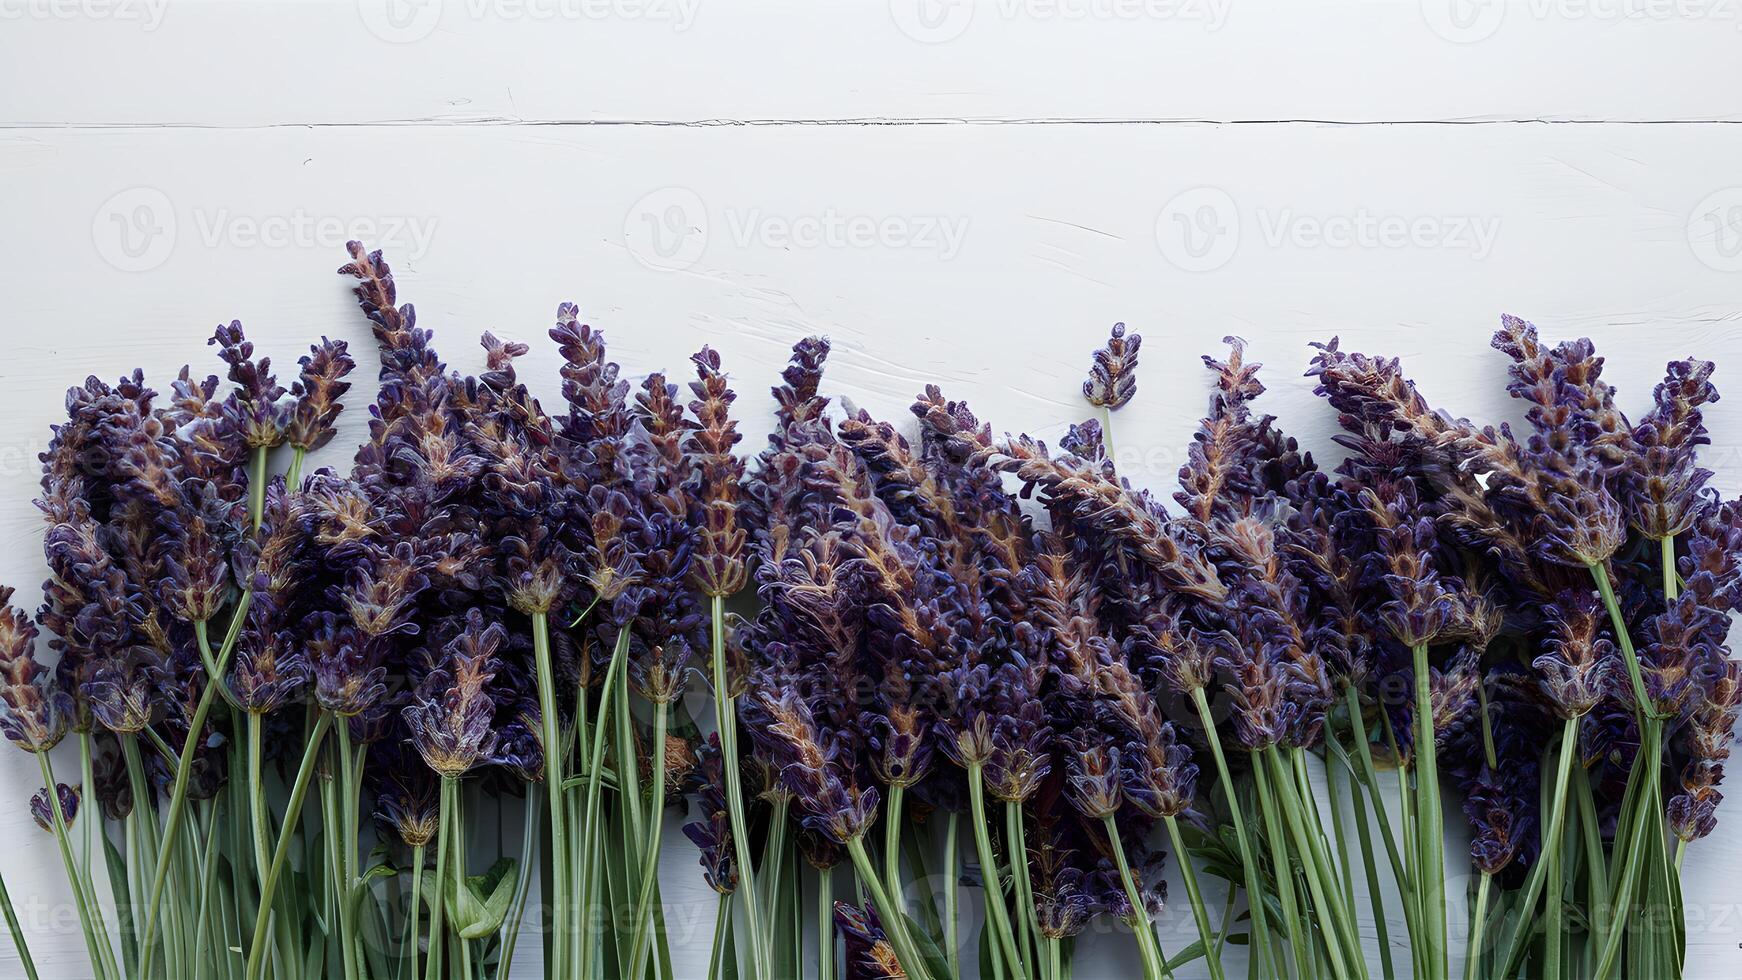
x: 1113, y: 377
x: 69, y: 806
x: 317, y: 393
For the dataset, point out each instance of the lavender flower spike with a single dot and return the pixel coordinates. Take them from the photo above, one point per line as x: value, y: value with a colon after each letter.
x: 1113, y: 378
x: 34, y: 712
x: 450, y: 713
x: 69, y: 806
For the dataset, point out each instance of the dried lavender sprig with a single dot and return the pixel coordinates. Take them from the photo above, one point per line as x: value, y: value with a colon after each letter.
x: 1112, y: 380
x: 719, y: 570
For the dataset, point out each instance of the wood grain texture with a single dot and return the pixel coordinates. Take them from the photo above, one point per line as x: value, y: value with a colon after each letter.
x: 212, y: 167
x: 320, y: 62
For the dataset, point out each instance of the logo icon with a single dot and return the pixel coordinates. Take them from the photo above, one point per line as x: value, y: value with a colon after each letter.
x: 1464, y: 21
x: 667, y: 229
x: 1198, y: 229
x: 134, y: 230
x: 1715, y: 230
x: 400, y: 21
x: 932, y: 21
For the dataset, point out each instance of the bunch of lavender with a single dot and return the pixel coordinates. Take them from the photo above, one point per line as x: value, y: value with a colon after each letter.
x: 1613, y: 564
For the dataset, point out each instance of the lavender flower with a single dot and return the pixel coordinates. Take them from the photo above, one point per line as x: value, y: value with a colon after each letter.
x: 1580, y: 663
x: 1665, y: 483
x: 712, y: 834
x: 1693, y: 812
x: 254, y: 408
x: 68, y: 797
x: 1500, y: 820
x: 407, y: 801
x: 870, y: 956
x: 450, y: 712
x: 809, y: 763
x: 1113, y: 378
x: 35, y: 711
x: 1092, y: 776
x: 718, y: 568
x: 317, y: 394
x: 350, y: 677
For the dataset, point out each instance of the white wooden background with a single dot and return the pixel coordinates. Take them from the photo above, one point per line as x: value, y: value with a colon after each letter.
x: 956, y: 191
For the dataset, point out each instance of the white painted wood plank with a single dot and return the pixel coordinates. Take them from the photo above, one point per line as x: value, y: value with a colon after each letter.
x: 278, y: 62
x: 989, y: 259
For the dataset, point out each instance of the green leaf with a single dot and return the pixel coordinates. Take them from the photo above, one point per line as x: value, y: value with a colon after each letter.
x: 123, y: 906
x: 1193, y: 952
x: 492, y: 893
x: 929, y: 950
x: 478, y: 909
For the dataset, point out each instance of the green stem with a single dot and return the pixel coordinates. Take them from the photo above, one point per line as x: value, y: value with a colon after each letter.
x: 1473, y: 960
x: 1154, y: 964
x: 1260, y: 947
x: 1430, y: 831
x: 96, y: 936
x: 183, y: 770
x: 17, y: 933
x: 1629, y: 657
x: 1551, y: 838
x: 773, y: 867
x: 1284, y: 870
x: 257, y: 488
x: 416, y: 903
x: 293, y: 475
x: 628, y: 762
x: 726, y: 714
x: 455, y: 807
x: 1190, y: 875
x: 894, y: 925
x: 1332, y: 781
x: 1671, y: 582
x: 952, y: 884
x: 1333, y: 921
x: 88, y: 779
x: 1365, y: 836
x: 591, y: 837
x: 892, y: 847
x: 650, y: 855
x: 528, y: 860
x: 298, y: 792
x: 1016, y: 839
x: 826, y: 923
x: 208, y: 884
x: 347, y: 841
x: 717, y: 965
x: 553, y: 778
x: 997, y: 913
x: 1623, y: 899
x: 438, y: 913
x: 1554, y: 937
x: 1107, y: 434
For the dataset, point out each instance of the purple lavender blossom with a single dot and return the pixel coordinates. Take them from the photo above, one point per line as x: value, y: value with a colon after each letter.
x: 35, y: 712
x: 712, y: 834
x: 68, y: 797
x: 451, y: 711
x: 1113, y: 378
